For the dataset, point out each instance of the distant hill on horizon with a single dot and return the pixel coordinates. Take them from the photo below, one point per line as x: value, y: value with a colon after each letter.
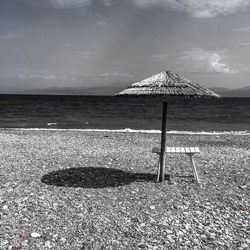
x: 74, y: 91
x: 108, y: 90
x: 238, y: 92
x: 225, y: 92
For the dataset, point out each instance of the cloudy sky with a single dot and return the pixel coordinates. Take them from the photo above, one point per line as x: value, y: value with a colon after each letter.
x: 79, y: 43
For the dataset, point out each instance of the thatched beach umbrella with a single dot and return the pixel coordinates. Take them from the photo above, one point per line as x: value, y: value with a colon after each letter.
x: 168, y: 86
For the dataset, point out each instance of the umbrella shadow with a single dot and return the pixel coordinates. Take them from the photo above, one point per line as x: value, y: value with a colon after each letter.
x: 94, y: 177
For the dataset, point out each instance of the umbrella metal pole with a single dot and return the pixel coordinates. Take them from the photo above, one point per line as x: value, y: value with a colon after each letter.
x: 161, y: 170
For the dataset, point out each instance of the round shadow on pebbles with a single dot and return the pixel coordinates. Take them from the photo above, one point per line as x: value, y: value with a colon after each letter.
x: 91, y: 177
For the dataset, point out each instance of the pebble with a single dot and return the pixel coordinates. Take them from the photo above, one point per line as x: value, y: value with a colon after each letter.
x: 152, y: 220
x: 48, y: 244
x: 63, y: 240
x: 5, y: 242
x: 196, y: 241
x: 25, y: 235
x: 5, y: 207
x: 165, y: 222
x: 35, y: 235
x: 211, y: 236
x: 203, y: 236
x: 170, y: 239
x: 248, y: 241
x: 15, y: 247
x: 169, y: 231
x: 141, y: 245
x: 179, y: 233
x: 244, y: 246
x: 220, y: 243
x: 25, y: 243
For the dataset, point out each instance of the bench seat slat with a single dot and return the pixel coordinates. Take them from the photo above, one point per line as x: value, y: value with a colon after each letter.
x: 192, y: 150
x: 178, y: 150
x: 197, y: 150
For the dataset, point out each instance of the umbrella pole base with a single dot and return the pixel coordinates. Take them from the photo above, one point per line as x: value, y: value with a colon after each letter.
x: 166, y: 178
x: 161, y: 174
x: 161, y: 177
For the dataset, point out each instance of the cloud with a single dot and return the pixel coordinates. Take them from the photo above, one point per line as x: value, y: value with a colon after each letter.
x: 107, y: 78
x: 49, y: 77
x: 37, y: 76
x: 159, y: 56
x: 243, y: 44
x: 21, y: 76
x: 101, y: 22
x: 198, y: 8
x: 108, y: 2
x: 78, y: 51
x: 85, y: 54
x: 202, y: 61
x: 115, y: 75
x: 10, y: 36
x: 77, y: 3
x: 244, y: 29
x: 69, y: 3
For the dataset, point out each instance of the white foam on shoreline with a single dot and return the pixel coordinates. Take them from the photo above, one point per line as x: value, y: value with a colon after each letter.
x: 128, y: 130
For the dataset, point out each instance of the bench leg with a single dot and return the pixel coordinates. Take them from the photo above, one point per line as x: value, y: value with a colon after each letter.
x: 158, y: 173
x: 194, y: 169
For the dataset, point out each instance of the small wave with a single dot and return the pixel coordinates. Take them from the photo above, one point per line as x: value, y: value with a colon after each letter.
x: 51, y: 123
x: 128, y: 130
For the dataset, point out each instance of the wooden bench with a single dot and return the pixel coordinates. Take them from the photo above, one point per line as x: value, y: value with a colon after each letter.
x: 190, y: 151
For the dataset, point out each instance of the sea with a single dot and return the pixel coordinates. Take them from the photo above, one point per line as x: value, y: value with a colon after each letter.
x: 116, y: 113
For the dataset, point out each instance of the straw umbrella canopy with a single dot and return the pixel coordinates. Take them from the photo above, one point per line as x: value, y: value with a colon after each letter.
x: 168, y: 86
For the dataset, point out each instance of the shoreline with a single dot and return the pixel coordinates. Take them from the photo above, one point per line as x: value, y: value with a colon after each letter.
x: 128, y: 130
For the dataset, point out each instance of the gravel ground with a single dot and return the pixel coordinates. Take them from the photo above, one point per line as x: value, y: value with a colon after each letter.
x: 92, y: 190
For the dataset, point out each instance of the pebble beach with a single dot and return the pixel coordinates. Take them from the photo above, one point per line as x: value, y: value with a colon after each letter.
x: 97, y: 190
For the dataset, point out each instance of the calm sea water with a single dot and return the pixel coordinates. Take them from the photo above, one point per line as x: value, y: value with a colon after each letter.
x: 106, y: 112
